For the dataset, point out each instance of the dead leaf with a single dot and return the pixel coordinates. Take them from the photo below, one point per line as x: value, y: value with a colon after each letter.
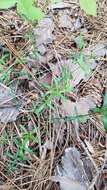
x: 59, y: 5
x: 4, y: 187
x: 8, y: 110
x: 77, y: 23
x: 82, y: 106
x: 43, y: 33
x: 98, y: 50
x: 65, y: 20
x: 46, y: 79
x: 71, y: 174
x: 42, y: 49
x: 68, y: 183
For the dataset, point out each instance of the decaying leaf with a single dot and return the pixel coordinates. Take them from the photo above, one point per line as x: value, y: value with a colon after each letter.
x: 97, y: 51
x: 71, y: 174
x: 46, y: 79
x: 81, y: 107
x: 59, y: 5
x: 8, y: 109
x: 43, y: 33
x: 64, y: 20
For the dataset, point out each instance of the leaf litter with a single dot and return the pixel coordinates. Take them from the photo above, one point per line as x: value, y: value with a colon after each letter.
x: 64, y: 38
x: 8, y: 110
x: 71, y: 174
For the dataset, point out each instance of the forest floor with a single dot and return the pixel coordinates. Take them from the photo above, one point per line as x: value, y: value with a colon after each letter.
x: 53, y: 85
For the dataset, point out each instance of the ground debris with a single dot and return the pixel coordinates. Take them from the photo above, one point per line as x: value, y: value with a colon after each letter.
x: 8, y: 110
x: 43, y: 33
x: 81, y: 107
x: 59, y: 67
x: 71, y: 174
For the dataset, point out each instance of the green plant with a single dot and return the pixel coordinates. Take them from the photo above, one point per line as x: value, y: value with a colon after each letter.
x: 59, y: 88
x: 104, y: 115
x: 5, y: 4
x: 96, y: 111
x: 79, y: 58
x: 89, y: 6
x: 4, y: 71
x: 21, y: 146
x: 25, y: 8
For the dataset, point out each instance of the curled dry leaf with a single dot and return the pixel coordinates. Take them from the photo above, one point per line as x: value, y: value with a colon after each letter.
x: 66, y: 182
x: 8, y: 110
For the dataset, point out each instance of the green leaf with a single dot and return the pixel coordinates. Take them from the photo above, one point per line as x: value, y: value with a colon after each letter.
x: 79, y: 41
x: 26, y: 8
x: 85, y: 67
x: 6, y: 4
x: 89, y: 6
x: 104, y: 115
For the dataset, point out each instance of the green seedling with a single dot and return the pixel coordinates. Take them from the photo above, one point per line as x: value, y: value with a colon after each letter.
x: 58, y: 89
x: 96, y: 111
x: 79, y: 58
x: 5, y: 72
x: 22, y: 148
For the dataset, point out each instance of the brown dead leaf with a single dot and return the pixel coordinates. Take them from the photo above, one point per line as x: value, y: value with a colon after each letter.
x: 8, y: 110
x: 65, y: 20
x: 71, y: 174
x: 68, y: 183
x: 82, y: 106
x: 59, y: 5
x: 43, y: 33
x: 46, y: 79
